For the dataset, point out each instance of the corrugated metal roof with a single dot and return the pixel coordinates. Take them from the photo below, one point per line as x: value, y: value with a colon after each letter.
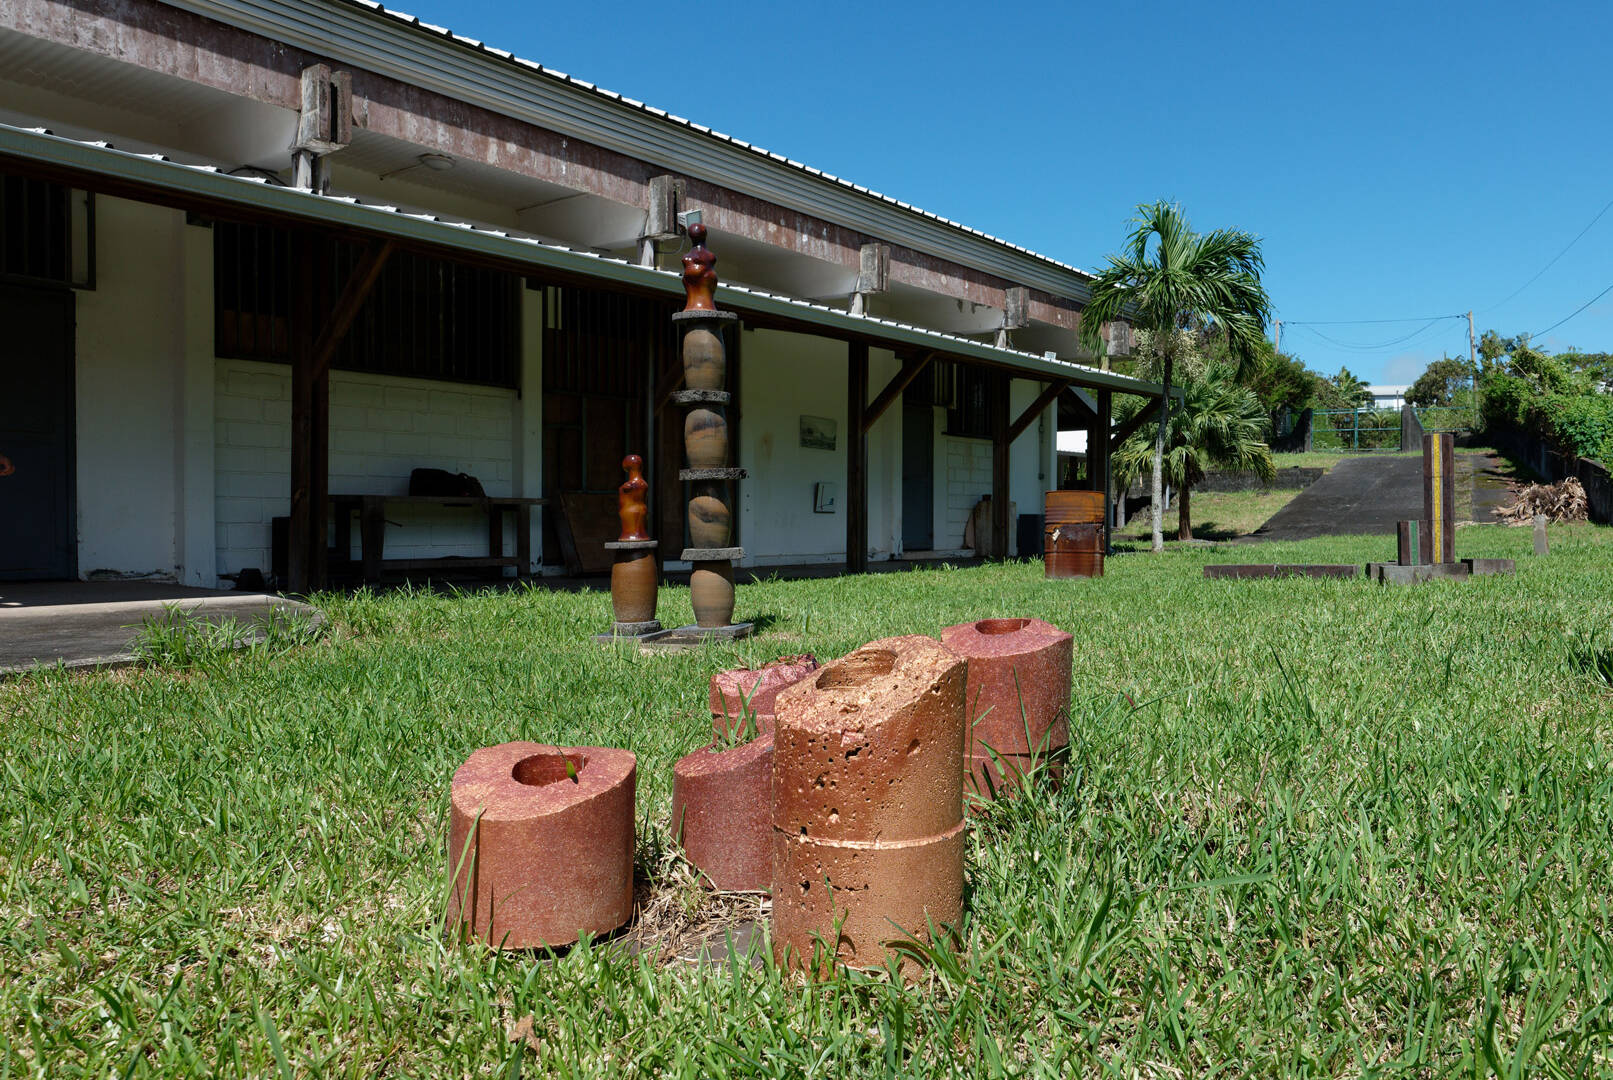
x: 327, y: 28
x: 210, y: 182
x: 672, y: 118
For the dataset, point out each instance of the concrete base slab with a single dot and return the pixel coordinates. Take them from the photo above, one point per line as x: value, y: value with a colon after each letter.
x: 94, y: 623
x: 1490, y: 566
x: 1247, y: 571
x: 685, y: 638
x: 638, y: 633
x: 1416, y: 574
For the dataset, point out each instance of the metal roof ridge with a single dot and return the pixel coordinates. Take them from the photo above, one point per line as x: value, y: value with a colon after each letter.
x: 40, y: 144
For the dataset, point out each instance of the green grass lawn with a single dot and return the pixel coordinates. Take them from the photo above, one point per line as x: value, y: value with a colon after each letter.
x: 1308, y: 828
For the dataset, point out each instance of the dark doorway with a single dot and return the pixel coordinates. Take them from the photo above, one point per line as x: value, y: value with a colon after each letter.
x: 918, y: 478
x: 36, y: 434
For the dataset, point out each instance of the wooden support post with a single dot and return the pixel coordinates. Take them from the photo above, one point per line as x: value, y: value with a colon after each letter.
x: 856, y: 457
x: 320, y: 271
x: 1000, y: 443
x: 1406, y: 533
x: 912, y: 366
x: 1098, y: 457
x: 302, y: 405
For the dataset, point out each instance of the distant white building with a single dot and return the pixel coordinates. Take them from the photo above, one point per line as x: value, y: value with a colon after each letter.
x: 1388, y: 397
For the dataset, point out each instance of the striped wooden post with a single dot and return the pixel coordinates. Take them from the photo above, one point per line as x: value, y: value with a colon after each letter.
x: 1436, y: 534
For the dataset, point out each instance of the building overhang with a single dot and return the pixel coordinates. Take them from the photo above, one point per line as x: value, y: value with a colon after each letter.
x: 103, y: 168
x: 367, y: 35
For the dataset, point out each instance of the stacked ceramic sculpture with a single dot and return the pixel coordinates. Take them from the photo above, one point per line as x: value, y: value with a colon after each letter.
x: 705, y: 441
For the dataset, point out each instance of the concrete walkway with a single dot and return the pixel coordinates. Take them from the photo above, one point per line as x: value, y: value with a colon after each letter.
x: 1371, y: 493
x: 94, y: 623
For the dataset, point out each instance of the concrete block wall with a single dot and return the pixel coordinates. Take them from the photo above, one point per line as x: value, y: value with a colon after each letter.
x: 381, y: 427
x: 967, y: 480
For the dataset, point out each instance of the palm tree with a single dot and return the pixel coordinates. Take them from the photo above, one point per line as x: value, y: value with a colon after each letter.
x: 1219, y: 424
x: 1170, y: 279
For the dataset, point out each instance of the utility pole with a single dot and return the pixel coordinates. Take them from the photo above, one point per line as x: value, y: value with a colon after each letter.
x: 1472, y: 349
x: 1277, y: 345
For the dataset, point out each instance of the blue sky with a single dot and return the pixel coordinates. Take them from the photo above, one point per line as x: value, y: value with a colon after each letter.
x: 1398, y: 160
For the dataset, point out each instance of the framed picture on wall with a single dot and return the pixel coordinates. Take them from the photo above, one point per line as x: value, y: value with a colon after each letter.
x: 817, y: 433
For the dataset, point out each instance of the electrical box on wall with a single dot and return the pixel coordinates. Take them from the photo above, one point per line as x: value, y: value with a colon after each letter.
x: 823, y: 498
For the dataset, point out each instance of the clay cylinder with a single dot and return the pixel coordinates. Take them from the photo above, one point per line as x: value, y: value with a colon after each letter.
x: 734, y: 690
x: 710, y: 519
x: 868, y: 803
x: 705, y: 438
x: 540, y: 844
x: 633, y: 580
x: 1018, y: 696
x: 711, y: 593
x: 705, y: 364
x: 720, y: 813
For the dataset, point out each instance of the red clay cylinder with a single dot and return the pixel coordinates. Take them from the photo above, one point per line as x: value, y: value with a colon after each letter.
x: 720, y: 813
x: 868, y: 802
x: 541, y: 843
x: 1018, y: 696
x: 731, y: 690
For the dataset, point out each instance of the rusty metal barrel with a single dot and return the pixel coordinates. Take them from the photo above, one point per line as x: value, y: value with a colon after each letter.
x: 1072, y: 534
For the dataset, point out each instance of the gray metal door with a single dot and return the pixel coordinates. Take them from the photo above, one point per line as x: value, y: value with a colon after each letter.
x: 918, y: 478
x: 36, y: 434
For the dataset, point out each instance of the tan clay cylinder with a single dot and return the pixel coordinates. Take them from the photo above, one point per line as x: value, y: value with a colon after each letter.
x: 868, y: 802
x: 710, y: 520
x: 633, y: 581
x: 1018, y: 700
x: 540, y: 853
x: 705, y: 364
x: 705, y: 438
x: 711, y: 593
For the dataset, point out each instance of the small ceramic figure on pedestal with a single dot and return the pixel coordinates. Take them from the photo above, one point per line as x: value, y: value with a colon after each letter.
x: 634, y: 576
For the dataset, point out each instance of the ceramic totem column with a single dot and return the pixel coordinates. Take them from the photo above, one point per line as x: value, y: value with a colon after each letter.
x: 633, y: 576
x: 705, y: 440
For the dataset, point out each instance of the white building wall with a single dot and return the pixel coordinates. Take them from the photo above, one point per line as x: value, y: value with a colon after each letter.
x: 131, y: 399
x: 786, y: 376
x: 381, y: 428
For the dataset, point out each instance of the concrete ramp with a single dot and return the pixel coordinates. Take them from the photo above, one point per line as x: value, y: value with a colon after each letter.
x: 1369, y: 493
x: 94, y: 623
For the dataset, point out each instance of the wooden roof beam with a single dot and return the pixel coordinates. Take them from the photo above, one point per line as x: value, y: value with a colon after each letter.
x: 911, y: 368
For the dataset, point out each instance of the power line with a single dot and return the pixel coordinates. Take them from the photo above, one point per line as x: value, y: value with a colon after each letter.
x: 1576, y: 311
x: 1363, y: 347
x: 1554, y: 259
x: 1366, y: 322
